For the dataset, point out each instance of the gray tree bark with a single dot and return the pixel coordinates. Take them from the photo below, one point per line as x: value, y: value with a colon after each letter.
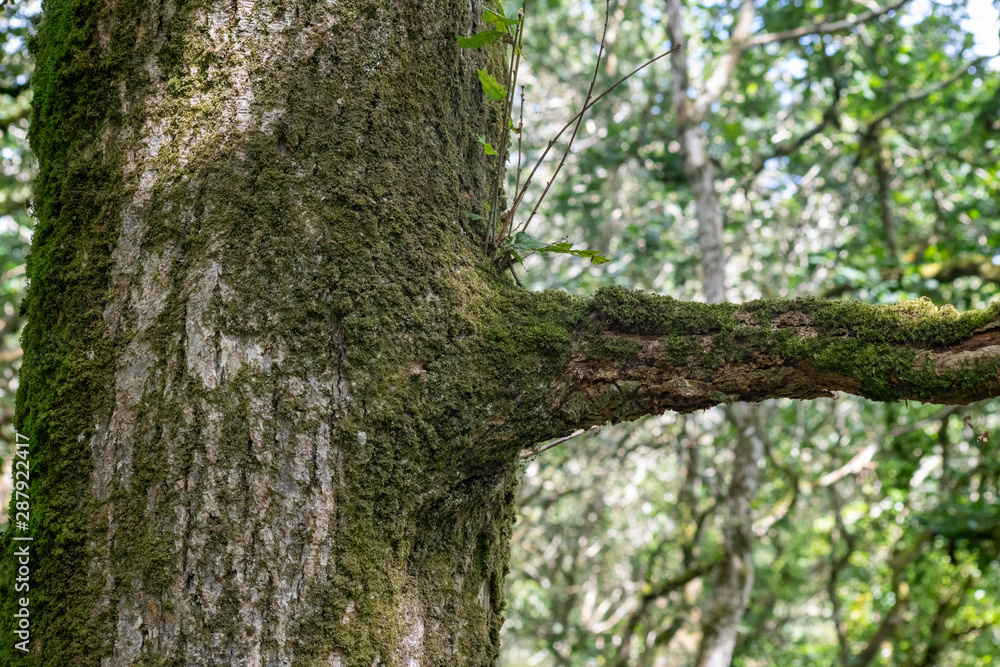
x: 274, y: 390
x: 243, y: 457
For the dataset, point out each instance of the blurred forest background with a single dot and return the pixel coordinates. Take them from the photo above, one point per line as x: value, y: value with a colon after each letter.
x: 16, y: 170
x: 844, y: 151
x: 859, y: 163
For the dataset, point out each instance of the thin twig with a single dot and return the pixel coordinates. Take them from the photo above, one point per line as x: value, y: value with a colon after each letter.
x: 576, y: 128
x: 559, y: 441
x: 516, y: 279
x: 520, y: 131
x: 505, y: 122
x: 501, y: 138
x: 555, y: 139
x: 508, y: 222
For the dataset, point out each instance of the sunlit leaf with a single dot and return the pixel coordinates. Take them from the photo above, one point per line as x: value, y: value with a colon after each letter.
x: 491, y: 86
x: 479, y: 39
x: 522, y: 242
x: 487, y: 148
x: 497, y: 19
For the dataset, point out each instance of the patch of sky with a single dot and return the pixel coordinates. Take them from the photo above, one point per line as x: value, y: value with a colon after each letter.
x: 983, y: 22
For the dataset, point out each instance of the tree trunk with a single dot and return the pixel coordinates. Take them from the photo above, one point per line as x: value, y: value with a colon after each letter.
x: 250, y: 262
x: 274, y: 391
x: 732, y: 579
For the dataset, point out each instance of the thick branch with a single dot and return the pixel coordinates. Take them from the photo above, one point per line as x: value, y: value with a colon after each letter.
x: 825, y: 28
x: 632, y: 354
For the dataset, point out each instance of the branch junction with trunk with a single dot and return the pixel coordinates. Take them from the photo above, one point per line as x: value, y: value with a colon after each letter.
x: 275, y: 391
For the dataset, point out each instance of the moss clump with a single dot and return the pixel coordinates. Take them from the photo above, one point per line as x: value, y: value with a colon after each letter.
x: 919, y: 321
x: 636, y: 312
x: 876, y: 345
x: 916, y: 321
x: 600, y: 344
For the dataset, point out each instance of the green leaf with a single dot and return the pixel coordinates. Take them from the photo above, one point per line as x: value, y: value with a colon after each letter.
x: 489, y: 150
x: 479, y: 39
x: 595, y: 256
x: 491, y: 86
x: 475, y: 216
x: 498, y: 19
x: 524, y: 243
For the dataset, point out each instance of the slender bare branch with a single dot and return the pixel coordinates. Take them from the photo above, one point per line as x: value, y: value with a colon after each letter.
x: 504, y: 134
x: 520, y: 133
x: 790, y: 146
x: 860, y: 460
x: 579, y: 120
x: 654, y: 592
x: 825, y: 27
x: 554, y: 140
x: 558, y: 441
x: 871, y: 127
x: 894, y: 616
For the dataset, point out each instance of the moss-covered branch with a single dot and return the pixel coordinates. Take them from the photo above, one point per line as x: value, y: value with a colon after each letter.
x: 637, y: 354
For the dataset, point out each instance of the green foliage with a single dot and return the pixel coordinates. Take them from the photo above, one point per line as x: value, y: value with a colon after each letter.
x: 521, y: 245
x: 511, y: 246
x: 16, y: 172
x: 847, y: 486
x: 502, y: 23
